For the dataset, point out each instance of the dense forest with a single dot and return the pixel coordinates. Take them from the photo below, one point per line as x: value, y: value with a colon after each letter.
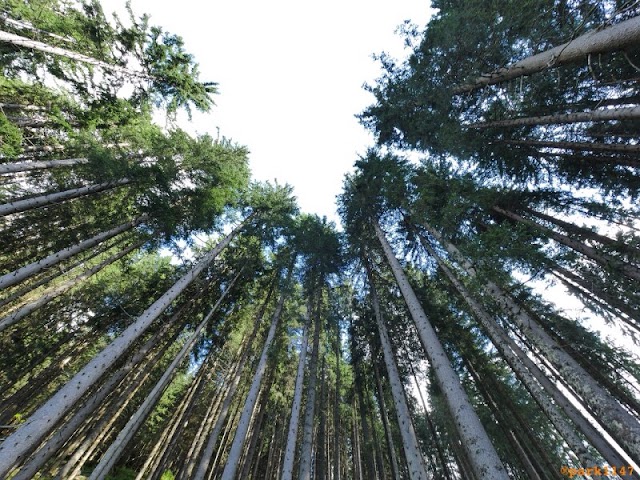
x: 163, y: 316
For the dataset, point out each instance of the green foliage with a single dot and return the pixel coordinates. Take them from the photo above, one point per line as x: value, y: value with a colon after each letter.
x: 10, y: 138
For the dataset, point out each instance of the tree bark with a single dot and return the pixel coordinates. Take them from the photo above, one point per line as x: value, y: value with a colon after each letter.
x: 482, y: 455
x: 625, y: 113
x: 32, y: 269
x: 306, y: 450
x: 18, y: 167
x: 233, y: 460
x: 30, y: 433
x: 603, y: 260
x: 395, y: 472
x: 60, y: 289
x: 580, y: 146
x: 618, y: 422
x: 412, y: 452
x: 50, y: 198
x: 292, y: 436
x: 615, y: 37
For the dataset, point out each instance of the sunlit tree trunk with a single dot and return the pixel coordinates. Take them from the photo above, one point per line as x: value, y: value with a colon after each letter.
x: 412, y: 452
x: 615, y: 37
x: 18, y: 167
x: 34, y: 268
x: 626, y: 113
x: 30, y: 433
x: 482, y: 455
x: 290, y: 449
x: 53, y: 293
x: 51, y: 198
x: 233, y: 460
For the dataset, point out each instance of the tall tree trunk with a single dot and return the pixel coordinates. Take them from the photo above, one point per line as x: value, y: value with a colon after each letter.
x: 603, y: 260
x: 321, y: 452
x: 50, y: 198
x: 229, y: 396
x: 306, y: 450
x: 233, y: 460
x: 618, y: 422
x: 30, y: 433
x: 336, y: 408
x: 482, y: 455
x: 18, y: 167
x: 616, y: 37
x: 118, y: 446
x: 580, y: 146
x: 431, y: 427
x: 51, y: 294
x: 412, y: 452
x: 292, y: 436
x: 34, y: 268
x: 395, y: 472
x: 25, y: 42
x: 625, y: 113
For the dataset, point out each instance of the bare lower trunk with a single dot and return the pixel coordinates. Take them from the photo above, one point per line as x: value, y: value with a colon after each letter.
x: 30, y: 433
x: 233, y: 460
x: 412, y: 452
x: 482, y: 455
x: 39, y: 165
x: 626, y: 113
x: 290, y: 449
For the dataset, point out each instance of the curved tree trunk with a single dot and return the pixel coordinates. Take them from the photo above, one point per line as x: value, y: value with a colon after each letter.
x: 17, y: 276
x: 50, y: 198
x: 233, y: 460
x: 483, y: 457
x: 30, y: 433
x: 413, y: 454
x: 292, y: 436
x: 615, y: 37
x: 626, y: 113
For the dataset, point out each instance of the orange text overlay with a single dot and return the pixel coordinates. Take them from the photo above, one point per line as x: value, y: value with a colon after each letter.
x: 606, y: 471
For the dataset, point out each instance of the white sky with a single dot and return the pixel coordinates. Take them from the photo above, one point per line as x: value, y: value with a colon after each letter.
x: 290, y: 77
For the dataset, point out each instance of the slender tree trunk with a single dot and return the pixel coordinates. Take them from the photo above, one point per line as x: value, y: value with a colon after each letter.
x: 336, y: 409
x: 32, y: 269
x: 306, y: 450
x: 431, y: 427
x: 580, y: 146
x: 222, y: 414
x: 233, y: 460
x: 321, y: 461
x: 60, y: 289
x: 625, y: 113
x: 25, y: 42
x: 50, y: 198
x: 118, y: 446
x: 412, y: 452
x: 627, y: 160
x: 617, y: 421
x: 616, y: 37
x: 30, y: 433
x: 603, y: 260
x: 290, y: 449
x: 584, y: 232
x: 482, y: 455
x: 18, y: 167
x: 395, y: 472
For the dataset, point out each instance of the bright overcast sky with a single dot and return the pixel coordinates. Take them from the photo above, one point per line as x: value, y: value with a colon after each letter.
x: 290, y: 77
